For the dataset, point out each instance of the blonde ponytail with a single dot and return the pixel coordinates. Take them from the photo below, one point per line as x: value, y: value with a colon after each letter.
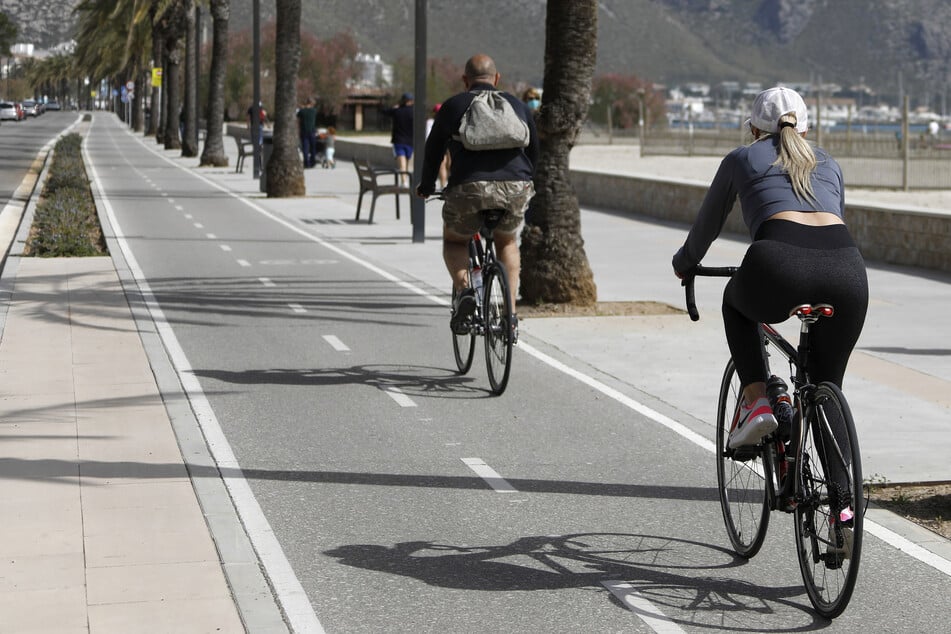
x: 796, y: 158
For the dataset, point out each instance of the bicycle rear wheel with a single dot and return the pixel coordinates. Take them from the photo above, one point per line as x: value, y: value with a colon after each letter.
x: 497, y: 311
x: 830, y: 472
x: 741, y: 475
x: 463, y: 346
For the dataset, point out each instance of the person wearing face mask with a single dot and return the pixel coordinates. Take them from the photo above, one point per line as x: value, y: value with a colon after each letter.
x: 532, y: 98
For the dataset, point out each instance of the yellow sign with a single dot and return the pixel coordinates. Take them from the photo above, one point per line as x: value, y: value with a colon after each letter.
x: 156, y: 77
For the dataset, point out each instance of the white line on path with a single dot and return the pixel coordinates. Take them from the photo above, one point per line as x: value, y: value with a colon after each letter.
x: 224, y: 247
x: 266, y: 281
x: 644, y: 609
x: 287, y: 587
x: 244, y: 263
x: 490, y: 475
x: 397, y: 395
x: 336, y: 344
x: 198, y: 225
x: 297, y: 308
x: 211, y: 236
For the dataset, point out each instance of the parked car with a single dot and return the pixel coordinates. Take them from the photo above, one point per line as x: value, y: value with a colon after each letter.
x: 32, y: 108
x: 8, y: 111
x: 53, y: 105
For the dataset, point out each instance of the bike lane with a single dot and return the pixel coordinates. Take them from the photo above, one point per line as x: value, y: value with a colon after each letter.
x: 553, y: 444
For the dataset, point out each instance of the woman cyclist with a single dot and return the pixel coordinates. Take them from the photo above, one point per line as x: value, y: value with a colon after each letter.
x: 793, y: 200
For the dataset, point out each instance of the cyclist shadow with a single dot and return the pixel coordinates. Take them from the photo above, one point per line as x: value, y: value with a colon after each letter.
x: 654, y: 567
x: 412, y: 380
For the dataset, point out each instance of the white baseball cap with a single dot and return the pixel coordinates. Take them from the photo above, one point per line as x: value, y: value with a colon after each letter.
x: 773, y: 103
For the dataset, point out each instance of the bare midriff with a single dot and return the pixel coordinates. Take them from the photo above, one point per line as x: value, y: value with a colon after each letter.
x: 812, y: 218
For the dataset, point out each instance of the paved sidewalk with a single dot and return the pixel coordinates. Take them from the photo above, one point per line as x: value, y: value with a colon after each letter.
x: 101, y: 528
x: 103, y: 531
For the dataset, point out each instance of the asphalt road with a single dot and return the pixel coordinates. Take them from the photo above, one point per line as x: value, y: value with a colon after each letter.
x: 407, y: 498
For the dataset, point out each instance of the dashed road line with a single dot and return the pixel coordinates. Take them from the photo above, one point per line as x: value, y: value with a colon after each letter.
x: 266, y: 281
x: 297, y: 308
x: 336, y: 344
x: 397, y: 395
x: 644, y: 609
x: 490, y: 475
x: 243, y: 263
x: 224, y: 247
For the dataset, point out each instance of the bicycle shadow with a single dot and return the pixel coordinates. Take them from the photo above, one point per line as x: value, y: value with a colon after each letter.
x: 661, y: 569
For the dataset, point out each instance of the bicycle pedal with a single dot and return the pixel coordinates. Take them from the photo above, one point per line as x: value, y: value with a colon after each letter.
x: 744, y: 454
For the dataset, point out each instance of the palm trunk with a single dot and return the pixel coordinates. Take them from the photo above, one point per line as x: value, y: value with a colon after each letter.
x: 190, y: 130
x: 285, y: 171
x: 554, y: 264
x: 214, y: 150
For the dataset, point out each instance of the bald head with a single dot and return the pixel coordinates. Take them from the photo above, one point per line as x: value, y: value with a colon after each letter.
x: 481, y: 68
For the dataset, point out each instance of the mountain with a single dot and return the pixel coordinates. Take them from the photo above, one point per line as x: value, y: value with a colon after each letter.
x: 889, y: 45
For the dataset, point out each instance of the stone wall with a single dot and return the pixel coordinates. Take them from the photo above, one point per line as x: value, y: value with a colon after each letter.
x: 909, y: 237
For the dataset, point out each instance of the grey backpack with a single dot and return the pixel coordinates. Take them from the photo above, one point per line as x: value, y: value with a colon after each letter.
x: 490, y: 123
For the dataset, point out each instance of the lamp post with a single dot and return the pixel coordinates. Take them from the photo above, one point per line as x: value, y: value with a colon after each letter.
x: 640, y: 119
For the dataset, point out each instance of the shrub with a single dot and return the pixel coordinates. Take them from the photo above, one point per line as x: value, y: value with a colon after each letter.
x: 65, y: 222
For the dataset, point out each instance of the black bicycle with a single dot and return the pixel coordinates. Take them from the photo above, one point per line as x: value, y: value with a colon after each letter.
x: 810, y: 467
x: 493, y: 318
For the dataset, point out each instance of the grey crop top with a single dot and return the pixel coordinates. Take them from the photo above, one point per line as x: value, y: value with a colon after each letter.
x: 764, y: 189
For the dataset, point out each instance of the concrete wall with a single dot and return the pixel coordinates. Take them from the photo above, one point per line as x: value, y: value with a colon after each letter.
x: 909, y: 237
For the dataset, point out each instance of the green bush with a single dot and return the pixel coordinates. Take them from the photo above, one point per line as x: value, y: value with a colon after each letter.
x: 65, y: 223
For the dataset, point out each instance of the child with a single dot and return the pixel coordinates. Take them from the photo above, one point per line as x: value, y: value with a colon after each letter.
x: 329, y: 147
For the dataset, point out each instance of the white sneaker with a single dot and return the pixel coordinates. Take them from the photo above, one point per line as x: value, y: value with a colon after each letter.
x: 755, y: 422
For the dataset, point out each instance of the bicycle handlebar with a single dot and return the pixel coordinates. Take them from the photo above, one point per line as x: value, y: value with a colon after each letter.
x: 704, y: 271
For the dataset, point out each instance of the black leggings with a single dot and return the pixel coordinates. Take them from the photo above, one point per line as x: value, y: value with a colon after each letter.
x: 790, y: 264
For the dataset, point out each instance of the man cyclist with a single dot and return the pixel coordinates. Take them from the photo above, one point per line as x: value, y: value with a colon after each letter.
x: 478, y: 179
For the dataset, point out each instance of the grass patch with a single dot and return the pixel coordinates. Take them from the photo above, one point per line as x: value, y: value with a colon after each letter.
x: 65, y: 223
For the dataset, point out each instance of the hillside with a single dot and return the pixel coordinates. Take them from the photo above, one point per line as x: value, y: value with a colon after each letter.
x: 882, y: 43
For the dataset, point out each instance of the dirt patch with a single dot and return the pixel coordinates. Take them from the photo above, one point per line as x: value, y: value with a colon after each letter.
x: 928, y: 505
x: 600, y: 309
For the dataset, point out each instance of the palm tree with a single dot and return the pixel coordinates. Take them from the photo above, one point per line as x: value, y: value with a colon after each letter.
x: 554, y: 264
x: 190, y: 107
x: 175, y: 23
x: 214, y: 150
x: 285, y: 171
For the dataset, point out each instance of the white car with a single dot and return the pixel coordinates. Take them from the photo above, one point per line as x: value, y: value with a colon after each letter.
x: 8, y: 111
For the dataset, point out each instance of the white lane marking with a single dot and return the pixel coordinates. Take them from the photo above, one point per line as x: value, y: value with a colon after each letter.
x: 188, y: 216
x: 198, y: 225
x: 623, y: 399
x: 179, y: 208
x: 224, y: 247
x: 211, y: 236
x: 297, y: 308
x: 336, y: 344
x: 266, y: 281
x: 397, y: 395
x: 490, y: 475
x: 657, y: 417
x: 171, y: 201
x: 908, y: 546
x: 244, y: 263
x: 644, y: 609
x: 287, y: 587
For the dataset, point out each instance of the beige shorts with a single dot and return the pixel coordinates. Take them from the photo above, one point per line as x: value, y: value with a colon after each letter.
x: 463, y: 203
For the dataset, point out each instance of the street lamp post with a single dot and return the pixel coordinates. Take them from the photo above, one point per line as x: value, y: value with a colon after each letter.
x: 640, y: 119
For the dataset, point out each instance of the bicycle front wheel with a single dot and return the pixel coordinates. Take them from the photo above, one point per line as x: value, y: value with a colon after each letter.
x: 828, y: 543
x: 463, y: 346
x: 497, y: 311
x: 741, y: 475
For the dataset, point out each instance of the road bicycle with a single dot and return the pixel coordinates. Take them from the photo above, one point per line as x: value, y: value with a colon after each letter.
x: 494, y: 318
x: 810, y: 467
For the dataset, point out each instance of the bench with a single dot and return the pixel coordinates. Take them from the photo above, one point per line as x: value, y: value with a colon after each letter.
x: 245, y: 149
x: 370, y: 181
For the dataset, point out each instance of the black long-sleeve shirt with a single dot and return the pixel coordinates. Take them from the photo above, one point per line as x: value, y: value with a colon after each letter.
x: 517, y: 164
